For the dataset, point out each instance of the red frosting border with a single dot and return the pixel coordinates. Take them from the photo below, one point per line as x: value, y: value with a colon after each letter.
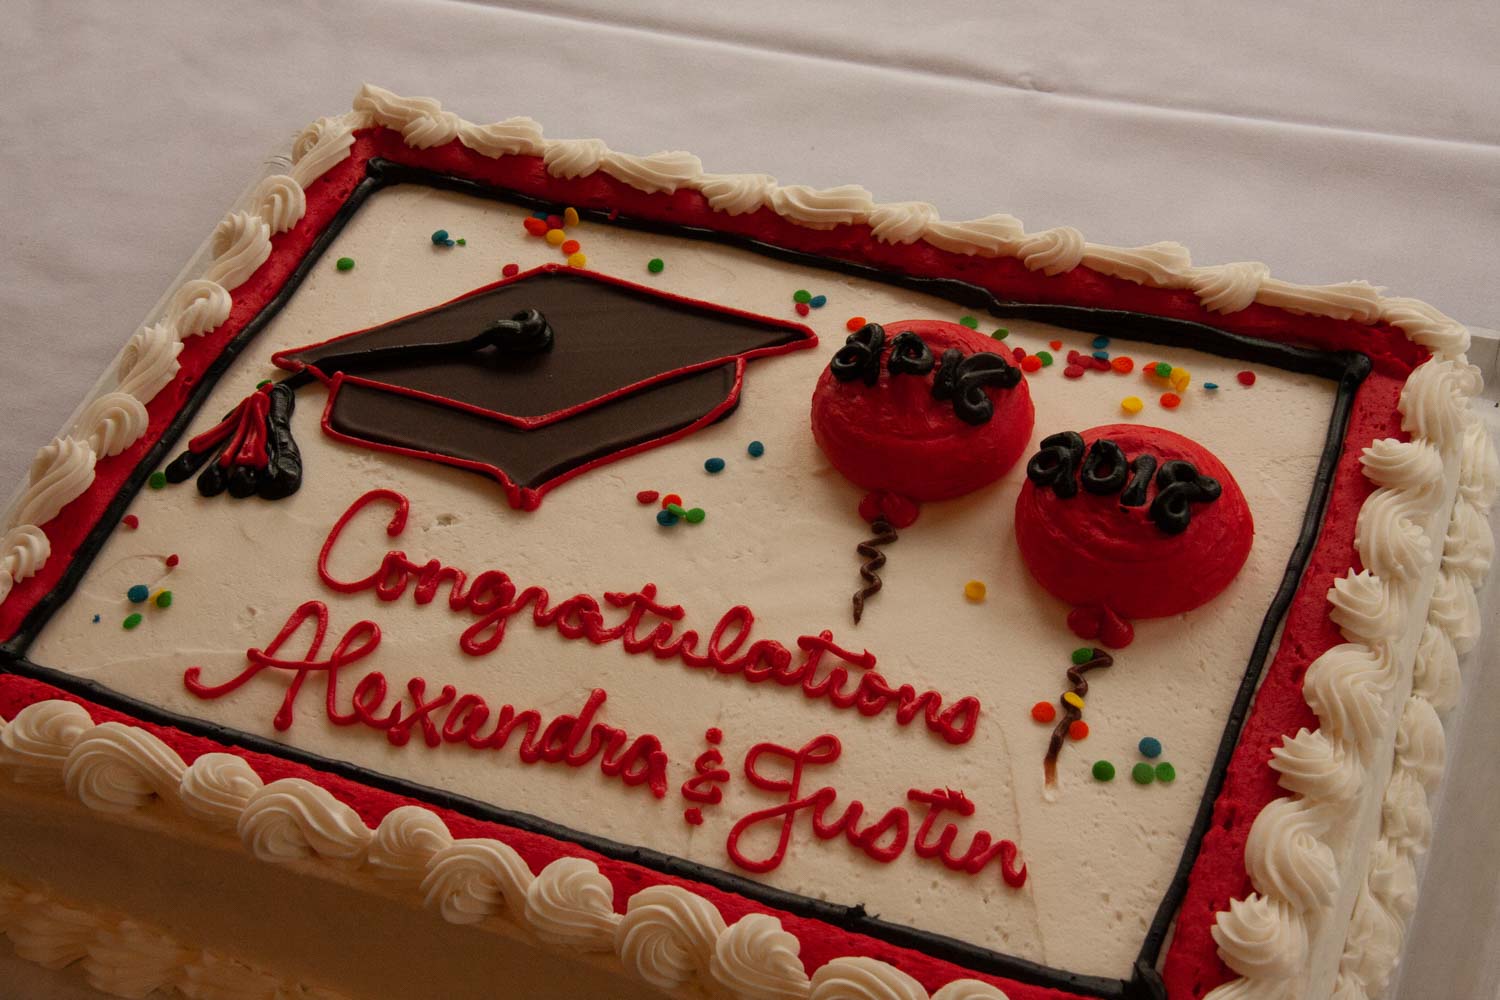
x: 1191, y: 967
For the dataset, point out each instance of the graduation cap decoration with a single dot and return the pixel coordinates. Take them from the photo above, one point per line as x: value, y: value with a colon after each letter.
x: 531, y: 380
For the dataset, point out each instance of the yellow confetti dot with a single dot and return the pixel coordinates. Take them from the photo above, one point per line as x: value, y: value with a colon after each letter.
x: 1131, y: 404
x: 974, y: 590
x: 570, y: 216
x: 1180, y: 379
x: 556, y: 236
x: 1073, y: 699
x: 577, y: 259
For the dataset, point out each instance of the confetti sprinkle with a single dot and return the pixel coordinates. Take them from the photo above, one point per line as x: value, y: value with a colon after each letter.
x: 1081, y: 655
x: 536, y: 225
x: 755, y: 449
x: 1045, y: 357
x: 344, y: 263
x: 1131, y: 404
x: 1123, y: 365
x: 131, y: 521
x: 666, y: 518
x: 462, y: 242
x: 818, y: 301
x: 158, y: 480
x: 1079, y: 730
x: 577, y: 259
x: 570, y: 246
x: 570, y: 216
x: 1073, y: 371
x: 131, y: 621
x: 440, y: 238
x: 510, y: 270
x: 1166, y: 773
x: 1211, y: 386
x: 172, y: 560
x: 555, y: 237
x: 1161, y: 369
x: 554, y: 222
x: 803, y: 308
x: 655, y: 265
x: 163, y: 599
x: 1000, y: 333
x: 1143, y: 774
x: 1071, y: 697
x: 969, y: 321
x: 1043, y: 711
x: 1103, y: 771
x: 1101, y: 355
x: 138, y: 593
x: 647, y: 496
x: 677, y: 509
x: 1056, y: 345
x: 670, y: 499
x: 1031, y: 363
x: 1246, y: 378
x: 695, y: 515
x: 853, y: 323
x: 802, y: 295
x: 714, y: 465
x: 1180, y: 379
x: 1170, y: 400
x: 1100, y: 343
x: 97, y: 619
x: 693, y: 815
x: 974, y: 590
x: 1149, y: 746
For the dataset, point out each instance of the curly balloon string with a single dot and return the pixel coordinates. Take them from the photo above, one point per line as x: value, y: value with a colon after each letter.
x: 874, y: 559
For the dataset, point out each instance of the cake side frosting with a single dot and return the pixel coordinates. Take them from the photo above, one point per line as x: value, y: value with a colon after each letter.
x: 1289, y: 860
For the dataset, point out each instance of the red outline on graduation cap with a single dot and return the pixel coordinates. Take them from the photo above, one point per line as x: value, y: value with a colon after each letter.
x: 530, y: 497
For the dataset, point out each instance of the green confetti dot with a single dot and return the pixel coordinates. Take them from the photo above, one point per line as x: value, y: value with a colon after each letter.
x: 1165, y: 772
x: 1104, y: 770
x: 164, y: 599
x: 1163, y: 369
x: 1143, y: 774
x: 1082, y: 655
x: 158, y: 480
x: 344, y: 264
x: 678, y: 509
x: 1046, y: 357
x: 462, y: 242
x: 969, y: 321
x: 263, y: 382
x: 695, y: 516
x: 802, y: 295
x: 655, y: 265
x: 131, y: 621
x: 1000, y: 333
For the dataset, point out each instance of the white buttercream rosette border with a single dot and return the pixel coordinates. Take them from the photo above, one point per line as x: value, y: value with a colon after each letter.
x: 63, y: 469
x: 668, y: 937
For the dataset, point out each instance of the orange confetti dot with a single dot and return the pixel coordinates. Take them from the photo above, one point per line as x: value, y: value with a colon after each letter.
x: 1078, y: 730
x: 670, y: 499
x: 570, y: 246
x: 1031, y: 363
x: 1170, y: 400
x: 1122, y: 365
x: 853, y: 323
x: 1055, y: 344
x: 535, y: 226
x: 1043, y: 711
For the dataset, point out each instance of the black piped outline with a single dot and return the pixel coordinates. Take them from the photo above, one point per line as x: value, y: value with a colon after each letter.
x: 1348, y: 369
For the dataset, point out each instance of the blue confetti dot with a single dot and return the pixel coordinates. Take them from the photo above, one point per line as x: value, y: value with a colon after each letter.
x: 539, y: 215
x: 818, y: 301
x: 1100, y: 343
x: 714, y: 465
x: 138, y: 593
x: 1150, y: 746
x: 96, y: 619
x: 1211, y: 386
x: 440, y: 237
x: 666, y: 518
x: 756, y: 449
x: 1102, y: 355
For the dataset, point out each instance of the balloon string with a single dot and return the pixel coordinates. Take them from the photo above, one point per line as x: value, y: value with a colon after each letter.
x: 874, y: 559
x: 1071, y: 713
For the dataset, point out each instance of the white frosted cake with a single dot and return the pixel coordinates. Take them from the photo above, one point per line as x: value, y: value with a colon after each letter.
x: 516, y: 562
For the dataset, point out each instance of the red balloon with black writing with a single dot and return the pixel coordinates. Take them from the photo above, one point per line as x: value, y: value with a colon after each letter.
x: 895, y: 437
x: 1092, y: 552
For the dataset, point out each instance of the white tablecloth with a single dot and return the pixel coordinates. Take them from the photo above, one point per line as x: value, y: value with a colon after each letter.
x: 1332, y: 140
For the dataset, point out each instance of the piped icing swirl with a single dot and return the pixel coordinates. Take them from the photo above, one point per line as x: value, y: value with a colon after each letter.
x: 1365, y: 607
x: 568, y: 158
x: 1396, y: 546
x: 665, y: 171
x: 217, y: 788
x: 120, y: 768
x: 34, y: 746
x: 570, y: 904
x: 1284, y: 853
x: 901, y: 221
x: 969, y: 989
x: 1228, y: 288
x: 757, y: 960
x: 992, y: 236
x: 279, y: 200
x: 406, y: 840
x: 59, y: 474
x: 1435, y: 675
x: 861, y: 978
x: 1356, y: 300
x: 1421, y: 747
x: 292, y: 819
x: 149, y: 360
x: 1411, y: 466
x: 199, y: 307
x: 1051, y: 251
x: 666, y: 937
x: 1427, y: 326
x: 50, y: 933
x: 320, y: 146
x: 23, y: 550
x: 822, y: 208
x: 1435, y: 400
x: 737, y: 194
x: 241, y: 244
x: 473, y: 879
x: 112, y: 423
x: 1160, y: 265
x: 1346, y: 687
x: 514, y: 136
x: 1311, y: 764
x: 1260, y: 936
x: 131, y: 959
